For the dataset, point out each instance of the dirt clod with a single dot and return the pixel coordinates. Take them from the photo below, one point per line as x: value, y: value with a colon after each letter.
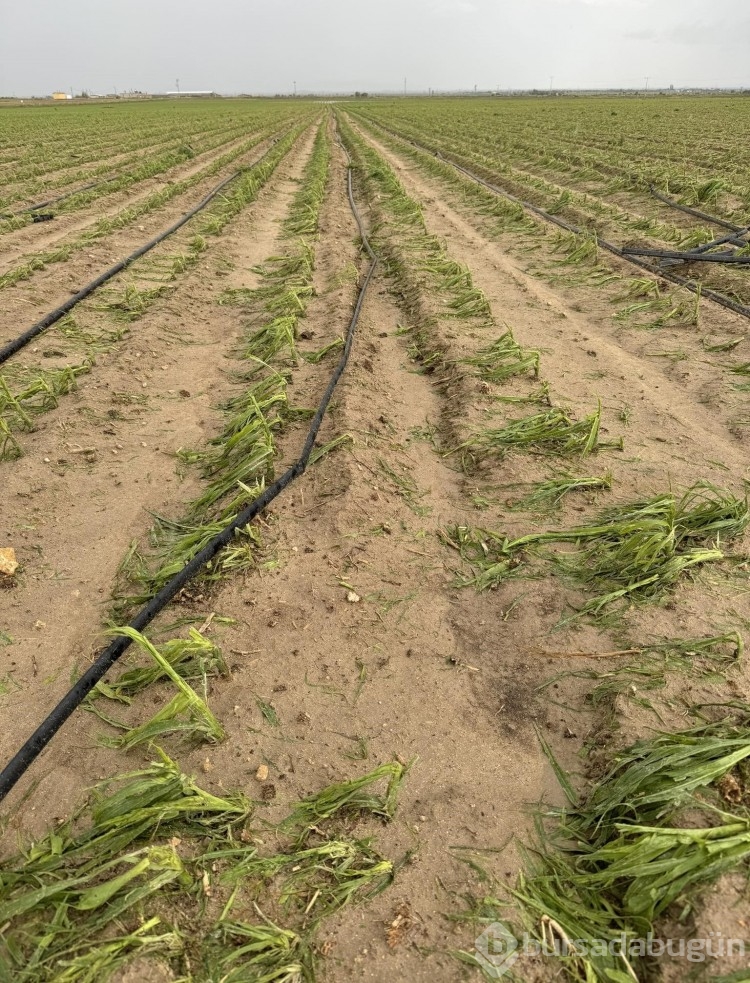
x: 8, y: 562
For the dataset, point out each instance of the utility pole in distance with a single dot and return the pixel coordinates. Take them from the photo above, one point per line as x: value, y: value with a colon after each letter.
x: 404, y: 85
x: 295, y: 90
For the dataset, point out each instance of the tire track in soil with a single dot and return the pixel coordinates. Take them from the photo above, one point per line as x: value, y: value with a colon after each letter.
x: 71, y: 522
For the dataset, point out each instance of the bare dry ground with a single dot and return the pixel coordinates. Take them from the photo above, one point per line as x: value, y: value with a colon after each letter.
x: 353, y: 628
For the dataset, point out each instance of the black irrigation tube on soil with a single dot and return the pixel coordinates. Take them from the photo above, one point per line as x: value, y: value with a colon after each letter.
x: 35, y: 217
x: 59, y: 312
x: 735, y: 240
x: 696, y: 213
x: 33, y: 747
x: 689, y: 257
x: 68, y: 194
x: 699, y: 289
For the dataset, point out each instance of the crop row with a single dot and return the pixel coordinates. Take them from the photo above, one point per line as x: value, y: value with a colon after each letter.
x: 27, y: 392
x: 624, y: 217
x: 103, y: 227
x: 85, y: 143
x: 656, y: 825
x: 657, y: 141
x: 122, y: 179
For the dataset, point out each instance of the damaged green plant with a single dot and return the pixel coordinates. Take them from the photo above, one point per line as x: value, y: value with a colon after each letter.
x: 504, y: 358
x: 632, y: 553
x: 120, y: 880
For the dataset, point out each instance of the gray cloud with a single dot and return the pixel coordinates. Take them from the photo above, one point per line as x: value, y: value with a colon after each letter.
x: 447, y: 8
x: 604, y: 3
x: 698, y: 34
x: 644, y: 34
x: 341, y: 45
x: 702, y: 33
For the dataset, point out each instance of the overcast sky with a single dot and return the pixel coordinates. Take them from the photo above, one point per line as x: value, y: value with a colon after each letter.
x: 342, y: 45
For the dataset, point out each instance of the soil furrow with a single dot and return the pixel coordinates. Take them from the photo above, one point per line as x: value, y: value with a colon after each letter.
x: 72, y: 515
x: 47, y: 288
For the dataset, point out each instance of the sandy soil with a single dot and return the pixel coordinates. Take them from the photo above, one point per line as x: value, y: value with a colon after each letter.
x: 140, y: 404
x: 415, y: 668
x: 46, y: 235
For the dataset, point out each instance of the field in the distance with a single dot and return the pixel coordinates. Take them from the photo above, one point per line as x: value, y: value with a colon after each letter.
x: 513, y: 579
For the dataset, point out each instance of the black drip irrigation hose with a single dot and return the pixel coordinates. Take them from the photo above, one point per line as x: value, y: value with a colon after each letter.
x: 68, y: 194
x: 59, y: 312
x: 33, y: 747
x: 687, y: 257
x: 695, y: 212
x: 735, y: 240
x: 35, y: 216
x: 702, y: 291
x: 699, y: 289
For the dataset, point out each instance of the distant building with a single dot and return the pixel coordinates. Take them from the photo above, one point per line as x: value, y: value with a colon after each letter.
x: 61, y: 95
x: 194, y: 93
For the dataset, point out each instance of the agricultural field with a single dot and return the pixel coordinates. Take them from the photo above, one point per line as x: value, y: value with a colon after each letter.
x: 375, y: 501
